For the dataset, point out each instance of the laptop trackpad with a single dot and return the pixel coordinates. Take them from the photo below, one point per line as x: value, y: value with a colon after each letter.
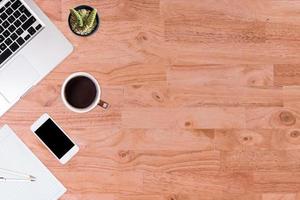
x: 17, y: 78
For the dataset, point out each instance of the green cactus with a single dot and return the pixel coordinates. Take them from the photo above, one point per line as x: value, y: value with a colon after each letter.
x: 83, y: 21
x: 77, y: 16
x: 91, y: 19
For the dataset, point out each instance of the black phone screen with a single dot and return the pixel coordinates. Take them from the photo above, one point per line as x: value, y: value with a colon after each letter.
x: 54, y: 138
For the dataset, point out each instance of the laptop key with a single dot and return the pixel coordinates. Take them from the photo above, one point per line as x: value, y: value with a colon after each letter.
x: 23, y: 18
x: 2, y: 46
x: 8, y: 41
x: 6, y: 33
x: 38, y: 27
x: 31, y: 30
x: 12, y: 28
x: 16, y: 5
x: 11, y: 19
x: 17, y: 14
x: 19, y: 31
x: 9, y: 11
x: 27, y: 13
x: 4, y: 55
x: 5, y: 24
x: 14, y: 36
x: 27, y: 37
x: 28, y: 23
x: 17, y: 23
x: 14, y: 46
x: 8, y: 4
x: 24, y: 10
x: 3, y: 16
x: 20, y: 41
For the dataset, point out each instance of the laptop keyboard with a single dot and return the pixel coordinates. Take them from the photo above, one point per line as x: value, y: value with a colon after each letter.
x: 17, y: 26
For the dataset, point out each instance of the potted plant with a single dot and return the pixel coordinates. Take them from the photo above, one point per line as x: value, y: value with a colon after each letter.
x: 83, y: 20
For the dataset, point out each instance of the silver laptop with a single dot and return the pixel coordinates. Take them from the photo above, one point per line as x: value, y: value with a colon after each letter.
x: 30, y: 47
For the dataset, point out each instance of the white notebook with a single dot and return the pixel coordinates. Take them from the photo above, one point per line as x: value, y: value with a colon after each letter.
x: 16, y: 156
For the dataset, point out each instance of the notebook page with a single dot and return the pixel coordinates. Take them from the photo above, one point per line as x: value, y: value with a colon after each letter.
x: 15, y: 156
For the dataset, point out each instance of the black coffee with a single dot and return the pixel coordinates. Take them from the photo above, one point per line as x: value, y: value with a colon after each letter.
x: 80, y: 92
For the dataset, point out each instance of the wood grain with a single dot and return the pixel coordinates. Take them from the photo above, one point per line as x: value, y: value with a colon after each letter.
x: 205, y: 101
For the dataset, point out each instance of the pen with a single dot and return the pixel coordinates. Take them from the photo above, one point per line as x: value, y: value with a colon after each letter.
x: 26, y: 176
x: 3, y: 179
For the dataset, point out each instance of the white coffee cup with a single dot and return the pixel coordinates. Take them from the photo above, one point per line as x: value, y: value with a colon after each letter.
x: 96, y: 102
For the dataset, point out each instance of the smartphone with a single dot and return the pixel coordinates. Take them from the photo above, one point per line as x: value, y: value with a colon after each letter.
x: 54, y: 138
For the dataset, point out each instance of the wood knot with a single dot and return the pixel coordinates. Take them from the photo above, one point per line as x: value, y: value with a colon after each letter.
x: 172, y: 197
x: 247, y: 138
x: 126, y: 156
x: 141, y: 37
x: 136, y: 86
x: 188, y: 124
x: 287, y: 118
x: 250, y: 138
x: 157, y: 97
x: 295, y: 134
x: 252, y: 81
x: 293, y: 137
x: 123, y: 154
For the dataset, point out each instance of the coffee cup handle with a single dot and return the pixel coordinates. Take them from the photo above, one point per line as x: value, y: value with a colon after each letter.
x: 103, y: 104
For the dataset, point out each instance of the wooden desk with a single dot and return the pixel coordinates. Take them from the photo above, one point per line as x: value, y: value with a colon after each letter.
x: 205, y: 101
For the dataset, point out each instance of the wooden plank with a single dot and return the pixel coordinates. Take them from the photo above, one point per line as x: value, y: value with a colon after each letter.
x: 257, y: 139
x: 141, y: 197
x: 282, y: 196
x: 261, y: 161
x: 88, y: 195
x: 276, y: 182
x: 180, y: 95
x: 189, y: 118
x: 285, y: 75
x: 224, y: 185
x: 272, y: 117
x: 225, y: 75
x: 243, y: 139
x: 286, y: 139
x: 161, y: 139
x: 291, y: 97
x: 183, y: 196
x: 231, y: 32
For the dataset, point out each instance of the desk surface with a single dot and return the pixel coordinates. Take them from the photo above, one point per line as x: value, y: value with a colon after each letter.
x: 205, y: 101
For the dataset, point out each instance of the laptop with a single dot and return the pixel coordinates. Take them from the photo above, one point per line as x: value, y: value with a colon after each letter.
x: 30, y: 47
